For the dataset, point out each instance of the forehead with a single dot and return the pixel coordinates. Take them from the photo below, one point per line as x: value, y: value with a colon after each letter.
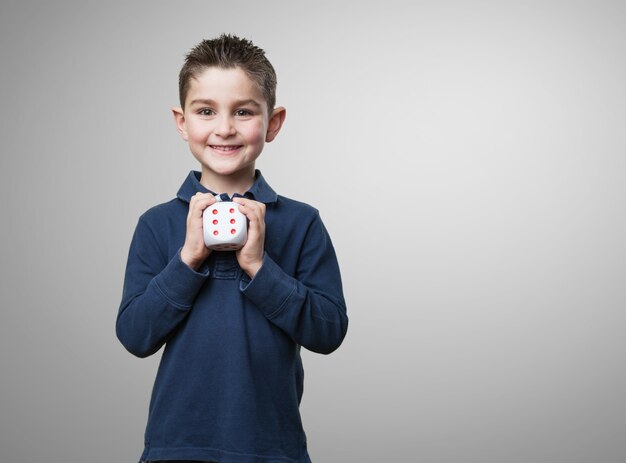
x: 224, y: 85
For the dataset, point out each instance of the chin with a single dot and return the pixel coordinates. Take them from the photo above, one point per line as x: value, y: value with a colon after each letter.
x: 227, y: 172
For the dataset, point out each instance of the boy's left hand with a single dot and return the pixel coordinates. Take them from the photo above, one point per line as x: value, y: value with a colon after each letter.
x: 250, y: 256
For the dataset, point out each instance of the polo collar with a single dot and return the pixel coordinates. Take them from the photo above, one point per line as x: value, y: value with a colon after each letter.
x: 260, y: 190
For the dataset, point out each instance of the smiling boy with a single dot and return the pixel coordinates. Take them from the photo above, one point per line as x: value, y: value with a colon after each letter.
x: 230, y: 379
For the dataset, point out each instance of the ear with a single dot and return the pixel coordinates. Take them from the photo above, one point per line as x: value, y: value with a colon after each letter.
x: 179, y: 120
x: 275, y: 123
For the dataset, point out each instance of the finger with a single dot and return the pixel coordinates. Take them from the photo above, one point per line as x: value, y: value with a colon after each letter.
x: 252, y: 209
x: 247, y: 202
x: 202, y: 197
x: 199, y: 202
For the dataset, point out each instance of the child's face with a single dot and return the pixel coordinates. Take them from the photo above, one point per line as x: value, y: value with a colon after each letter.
x: 226, y: 122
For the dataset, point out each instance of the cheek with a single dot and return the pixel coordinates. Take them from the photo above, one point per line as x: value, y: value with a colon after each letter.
x: 197, y: 133
x: 255, y: 133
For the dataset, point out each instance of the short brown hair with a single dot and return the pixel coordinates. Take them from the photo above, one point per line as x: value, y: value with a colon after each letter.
x: 228, y: 51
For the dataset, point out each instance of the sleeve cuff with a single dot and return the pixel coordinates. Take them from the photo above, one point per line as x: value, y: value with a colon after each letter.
x: 270, y: 288
x: 179, y: 283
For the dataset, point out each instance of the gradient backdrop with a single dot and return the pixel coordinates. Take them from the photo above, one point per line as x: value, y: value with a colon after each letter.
x: 468, y: 159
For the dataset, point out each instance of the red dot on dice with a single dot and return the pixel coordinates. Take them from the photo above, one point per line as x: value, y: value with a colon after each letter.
x: 214, y: 211
x: 233, y: 231
x: 216, y: 233
x: 215, y: 221
x: 232, y: 211
x: 232, y: 220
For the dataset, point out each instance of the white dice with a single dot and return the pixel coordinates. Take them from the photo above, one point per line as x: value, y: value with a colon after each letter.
x: 225, y: 228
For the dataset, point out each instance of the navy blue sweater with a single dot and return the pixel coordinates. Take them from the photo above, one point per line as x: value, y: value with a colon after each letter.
x: 230, y: 380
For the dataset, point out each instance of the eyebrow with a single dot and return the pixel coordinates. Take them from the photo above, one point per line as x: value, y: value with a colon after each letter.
x: 210, y: 102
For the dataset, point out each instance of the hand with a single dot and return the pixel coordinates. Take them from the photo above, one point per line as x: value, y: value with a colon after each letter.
x: 194, y: 251
x: 250, y: 256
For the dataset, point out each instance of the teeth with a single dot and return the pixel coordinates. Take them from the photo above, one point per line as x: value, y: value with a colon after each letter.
x: 225, y: 148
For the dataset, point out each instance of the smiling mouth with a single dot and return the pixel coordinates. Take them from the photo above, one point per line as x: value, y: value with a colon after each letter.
x: 225, y: 148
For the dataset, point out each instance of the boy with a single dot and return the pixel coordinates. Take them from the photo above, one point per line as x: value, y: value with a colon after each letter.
x: 230, y: 379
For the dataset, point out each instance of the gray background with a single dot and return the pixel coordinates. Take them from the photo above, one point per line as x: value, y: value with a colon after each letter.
x: 468, y: 158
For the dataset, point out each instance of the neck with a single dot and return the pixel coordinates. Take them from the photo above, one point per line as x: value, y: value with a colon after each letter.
x: 239, y: 182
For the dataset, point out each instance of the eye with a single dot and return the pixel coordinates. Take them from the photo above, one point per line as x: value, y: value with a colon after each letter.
x: 206, y: 112
x: 243, y: 113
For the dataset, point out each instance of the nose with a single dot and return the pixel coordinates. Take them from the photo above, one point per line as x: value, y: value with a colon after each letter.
x: 225, y: 126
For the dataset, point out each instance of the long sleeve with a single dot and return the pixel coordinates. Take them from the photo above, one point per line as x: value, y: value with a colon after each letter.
x: 158, y: 294
x: 230, y: 380
x: 308, y: 306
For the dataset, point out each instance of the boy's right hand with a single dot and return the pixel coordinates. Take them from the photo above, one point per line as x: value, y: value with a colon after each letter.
x: 194, y: 251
